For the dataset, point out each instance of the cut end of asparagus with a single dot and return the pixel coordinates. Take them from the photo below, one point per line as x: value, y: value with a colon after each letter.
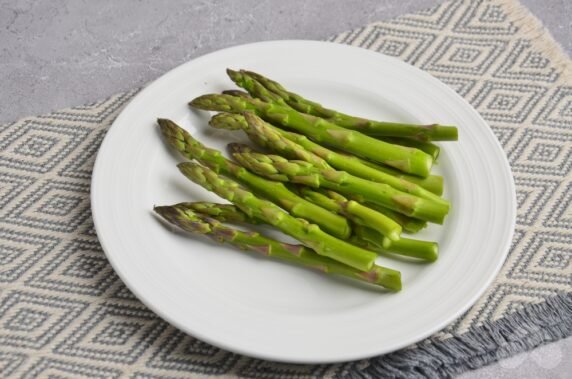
x: 444, y: 132
x: 422, y: 164
x: 425, y: 250
x: 390, y: 279
x: 435, y: 184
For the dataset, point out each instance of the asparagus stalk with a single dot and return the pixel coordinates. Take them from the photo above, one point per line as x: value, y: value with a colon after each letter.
x: 254, y: 88
x: 237, y: 93
x: 201, y: 224
x: 278, y: 168
x: 426, y: 250
x: 331, y: 200
x: 269, y: 141
x: 364, y: 236
x: 296, y: 146
x: 182, y: 141
x: 373, y: 240
x: 406, y: 159
x: 322, y: 157
x: 354, y: 211
x: 309, y: 234
x: 229, y: 121
x: 230, y: 213
x: 428, y: 147
x: 220, y: 212
x: 432, y: 183
x: 409, y: 224
x: 233, y: 121
x: 252, y: 82
x: 266, y: 135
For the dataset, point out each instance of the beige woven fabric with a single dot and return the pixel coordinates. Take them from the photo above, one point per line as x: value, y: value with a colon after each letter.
x: 63, y: 312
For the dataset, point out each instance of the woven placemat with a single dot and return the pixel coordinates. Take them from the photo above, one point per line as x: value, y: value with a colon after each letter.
x: 63, y: 311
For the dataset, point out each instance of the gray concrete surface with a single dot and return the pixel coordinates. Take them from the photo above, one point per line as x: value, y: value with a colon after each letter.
x: 55, y: 54
x: 60, y: 53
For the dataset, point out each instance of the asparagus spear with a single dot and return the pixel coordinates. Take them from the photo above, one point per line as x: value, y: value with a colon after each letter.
x: 197, y: 223
x: 278, y: 168
x: 432, y: 183
x: 327, y: 198
x: 309, y: 234
x: 228, y: 121
x: 252, y: 82
x: 254, y: 88
x: 406, y: 159
x: 237, y: 93
x: 296, y: 146
x: 428, y: 147
x: 182, y: 141
x: 277, y: 141
x: 220, y: 212
x: 373, y: 240
x: 354, y: 211
x: 263, y: 94
x: 364, y: 236
x: 233, y: 121
x: 271, y: 141
x: 409, y: 224
x: 266, y: 135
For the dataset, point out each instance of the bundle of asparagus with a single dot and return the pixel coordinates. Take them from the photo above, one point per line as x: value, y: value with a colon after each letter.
x: 344, y: 186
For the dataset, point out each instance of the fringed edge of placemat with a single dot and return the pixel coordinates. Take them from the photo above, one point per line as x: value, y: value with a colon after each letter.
x: 534, y: 31
x: 530, y: 327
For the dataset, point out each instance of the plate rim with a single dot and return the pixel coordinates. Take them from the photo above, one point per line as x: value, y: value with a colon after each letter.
x: 221, y: 344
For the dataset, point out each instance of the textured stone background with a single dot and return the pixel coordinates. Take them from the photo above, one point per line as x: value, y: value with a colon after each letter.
x: 60, y: 53
x: 55, y: 54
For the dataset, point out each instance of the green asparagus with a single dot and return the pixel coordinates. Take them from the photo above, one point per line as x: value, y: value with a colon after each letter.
x: 182, y: 141
x: 220, y: 212
x: 296, y: 146
x: 426, y: 250
x: 354, y: 211
x: 409, y: 224
x: 254, y: 87
x: 237, y: 93
x: 278, y: 168
x: 198, y: 223
x: 434, y: 132
x: 322, y: 157
x: 308, y: 234
x: 365, y: 237
x: 428, y: 147
x: 432, y: 183
x: 406, y: 159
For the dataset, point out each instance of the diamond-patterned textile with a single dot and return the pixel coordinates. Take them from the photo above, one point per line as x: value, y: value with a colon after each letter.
x: 64, y: 312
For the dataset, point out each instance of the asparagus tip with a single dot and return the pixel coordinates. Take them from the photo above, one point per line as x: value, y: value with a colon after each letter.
x: 233, y: 75
x: 167, y: 212
x: 162, y: 121
x: 237, y: 148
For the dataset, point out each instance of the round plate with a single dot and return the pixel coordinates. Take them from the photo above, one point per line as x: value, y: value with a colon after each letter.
x: 268, y: 309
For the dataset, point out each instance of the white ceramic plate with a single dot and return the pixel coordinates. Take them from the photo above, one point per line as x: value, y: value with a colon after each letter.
x: 271, y: 310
